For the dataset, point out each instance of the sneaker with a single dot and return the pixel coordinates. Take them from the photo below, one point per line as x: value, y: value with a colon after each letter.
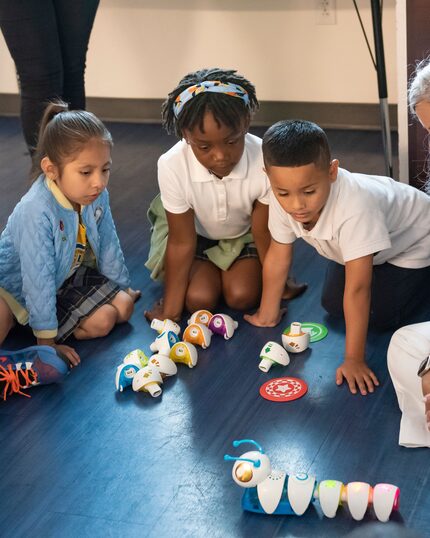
x: 28, y: 367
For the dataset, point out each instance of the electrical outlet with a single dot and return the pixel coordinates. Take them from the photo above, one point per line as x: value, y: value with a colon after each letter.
x: 325, y: 11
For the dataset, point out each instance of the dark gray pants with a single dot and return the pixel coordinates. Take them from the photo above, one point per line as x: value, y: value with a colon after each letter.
x: 48, y: 40
x: 397, y: 293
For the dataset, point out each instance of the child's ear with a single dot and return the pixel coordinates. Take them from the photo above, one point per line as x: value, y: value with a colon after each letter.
x: 333, y: 170
x: 49, y: 168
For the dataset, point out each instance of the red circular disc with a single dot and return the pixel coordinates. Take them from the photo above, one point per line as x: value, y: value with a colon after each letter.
x: 283, y: 389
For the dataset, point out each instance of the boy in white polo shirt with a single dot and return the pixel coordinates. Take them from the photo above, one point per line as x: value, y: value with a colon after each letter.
x: 214, y: 192
x: 376, y: 232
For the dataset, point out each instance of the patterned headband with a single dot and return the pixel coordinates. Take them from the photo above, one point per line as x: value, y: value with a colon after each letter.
x: 209, y: 86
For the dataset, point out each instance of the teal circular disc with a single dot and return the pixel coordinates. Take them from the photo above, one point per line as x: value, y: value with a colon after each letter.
x: 318, y: 331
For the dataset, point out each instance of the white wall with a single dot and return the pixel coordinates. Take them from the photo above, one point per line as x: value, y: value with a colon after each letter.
x: 141, y: 48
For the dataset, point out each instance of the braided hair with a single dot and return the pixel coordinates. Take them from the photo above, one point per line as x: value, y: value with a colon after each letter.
x: 225, y: 109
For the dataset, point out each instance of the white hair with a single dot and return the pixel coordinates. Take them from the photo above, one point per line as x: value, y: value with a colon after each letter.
x: 419, y: 86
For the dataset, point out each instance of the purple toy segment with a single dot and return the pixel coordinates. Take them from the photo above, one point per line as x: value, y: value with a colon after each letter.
x: 223, y: 324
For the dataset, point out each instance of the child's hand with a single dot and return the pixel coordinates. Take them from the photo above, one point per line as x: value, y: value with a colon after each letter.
x: 260, y: 320
x: 134, y: 294
x: 356, y: 373
x: 426, y: 393
x: 68, y: 353
x: 157, y: 312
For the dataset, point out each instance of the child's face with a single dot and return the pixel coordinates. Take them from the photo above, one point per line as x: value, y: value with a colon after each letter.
x: 217, y: 147
x: 303, y: 191
x: 423, y: 112
x: 85, y: 175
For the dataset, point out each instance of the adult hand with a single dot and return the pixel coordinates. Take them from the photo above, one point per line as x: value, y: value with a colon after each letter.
x: 426, y: 393
x: 357, y: 374
x: 260, y: 319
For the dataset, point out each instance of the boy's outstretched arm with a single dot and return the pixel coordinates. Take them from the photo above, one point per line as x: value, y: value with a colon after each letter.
x: 180, y: 250
x: 356, y: 307
x: 275, y: 271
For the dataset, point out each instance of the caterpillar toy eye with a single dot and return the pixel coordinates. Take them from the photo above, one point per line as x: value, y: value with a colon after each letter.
x: 244, y: 472
x: 194, y: 332
x: 180, y: 350
x: 204, y: 318
x: 218, y: 322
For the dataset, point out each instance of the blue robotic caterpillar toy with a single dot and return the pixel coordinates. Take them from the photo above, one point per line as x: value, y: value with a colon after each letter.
x: 274, y: 492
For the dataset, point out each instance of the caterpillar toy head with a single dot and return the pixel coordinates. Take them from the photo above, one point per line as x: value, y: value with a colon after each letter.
x: 251, y: 468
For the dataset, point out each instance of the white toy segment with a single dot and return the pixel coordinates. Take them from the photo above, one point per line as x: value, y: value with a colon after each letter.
x: 296, y: 340
x: 148, y: 380
x: 300, y: 490
x: 124, y: 375
x: 385, y: 497
x: 272, y: 353
x: 164, y: 342
x: 329, y: 495
x: 357, y: 494
x: 270, y: 491
x: 164, y: 364
x: 165, y: 325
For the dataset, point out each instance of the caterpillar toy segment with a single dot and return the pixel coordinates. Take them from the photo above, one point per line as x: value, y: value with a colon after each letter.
x: 268, y: 491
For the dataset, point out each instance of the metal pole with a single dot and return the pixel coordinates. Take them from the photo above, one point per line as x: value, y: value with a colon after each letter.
x: 382, y: 85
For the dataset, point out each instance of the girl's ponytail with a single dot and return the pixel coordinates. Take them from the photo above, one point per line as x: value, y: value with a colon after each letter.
x: 64, y: 133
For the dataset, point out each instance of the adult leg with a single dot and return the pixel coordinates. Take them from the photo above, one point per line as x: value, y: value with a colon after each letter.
x: 408, y: 347
x: 74, y: 21
x: 204, y: 288
x: 242, y: 284
x: 30, y: 31
x: 6, y: 320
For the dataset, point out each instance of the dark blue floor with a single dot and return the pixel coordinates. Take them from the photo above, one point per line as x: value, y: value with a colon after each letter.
x: 82, y: 460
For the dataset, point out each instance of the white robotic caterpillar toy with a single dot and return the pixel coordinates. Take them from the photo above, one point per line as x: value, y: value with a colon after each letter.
x: 274, y: 492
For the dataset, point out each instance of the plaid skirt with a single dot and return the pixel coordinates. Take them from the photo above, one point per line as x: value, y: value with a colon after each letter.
x: 81, y: 295
x: 203, y: 243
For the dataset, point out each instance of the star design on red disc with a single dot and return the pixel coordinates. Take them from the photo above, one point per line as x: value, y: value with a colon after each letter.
x: 283, y: 389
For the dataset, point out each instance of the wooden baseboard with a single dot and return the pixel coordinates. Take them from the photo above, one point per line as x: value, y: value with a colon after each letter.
x: 328, y: 115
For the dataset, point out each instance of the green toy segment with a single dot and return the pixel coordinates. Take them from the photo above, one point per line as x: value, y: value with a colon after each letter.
x: 317, y: 330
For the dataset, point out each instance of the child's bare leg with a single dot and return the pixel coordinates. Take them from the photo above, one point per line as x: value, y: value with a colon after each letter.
x: 242, y: 284
x: 6, y: 320
x: 123, y: 302
x: 98, y: 324
x: 204, y: 288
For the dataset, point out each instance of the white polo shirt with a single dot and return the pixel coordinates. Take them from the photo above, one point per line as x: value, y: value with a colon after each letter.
x: 222, y: 207
x: 364, y: 215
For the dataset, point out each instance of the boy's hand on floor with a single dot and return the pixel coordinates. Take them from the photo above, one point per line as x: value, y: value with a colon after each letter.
x: 259, y: 320
x: 68, y: 353
x: 357, y: 374
x: 157, y: 312
x: 426, y: 394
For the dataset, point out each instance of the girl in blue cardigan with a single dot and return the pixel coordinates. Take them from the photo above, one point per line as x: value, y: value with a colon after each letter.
x: 62, y: 270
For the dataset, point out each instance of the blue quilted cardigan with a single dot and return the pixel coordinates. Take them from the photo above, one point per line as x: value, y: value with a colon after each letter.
x: 38, y: 244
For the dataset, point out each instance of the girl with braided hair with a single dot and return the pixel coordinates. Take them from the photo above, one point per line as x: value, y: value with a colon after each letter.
x: 214, y: 197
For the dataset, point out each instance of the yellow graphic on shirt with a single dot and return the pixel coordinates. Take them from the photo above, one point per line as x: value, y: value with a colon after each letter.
x: 81, y: 243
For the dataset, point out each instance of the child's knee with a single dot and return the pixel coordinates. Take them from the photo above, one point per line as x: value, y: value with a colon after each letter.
x: 240, y: 298
x: 124, y: 307
x: 201, y: 299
